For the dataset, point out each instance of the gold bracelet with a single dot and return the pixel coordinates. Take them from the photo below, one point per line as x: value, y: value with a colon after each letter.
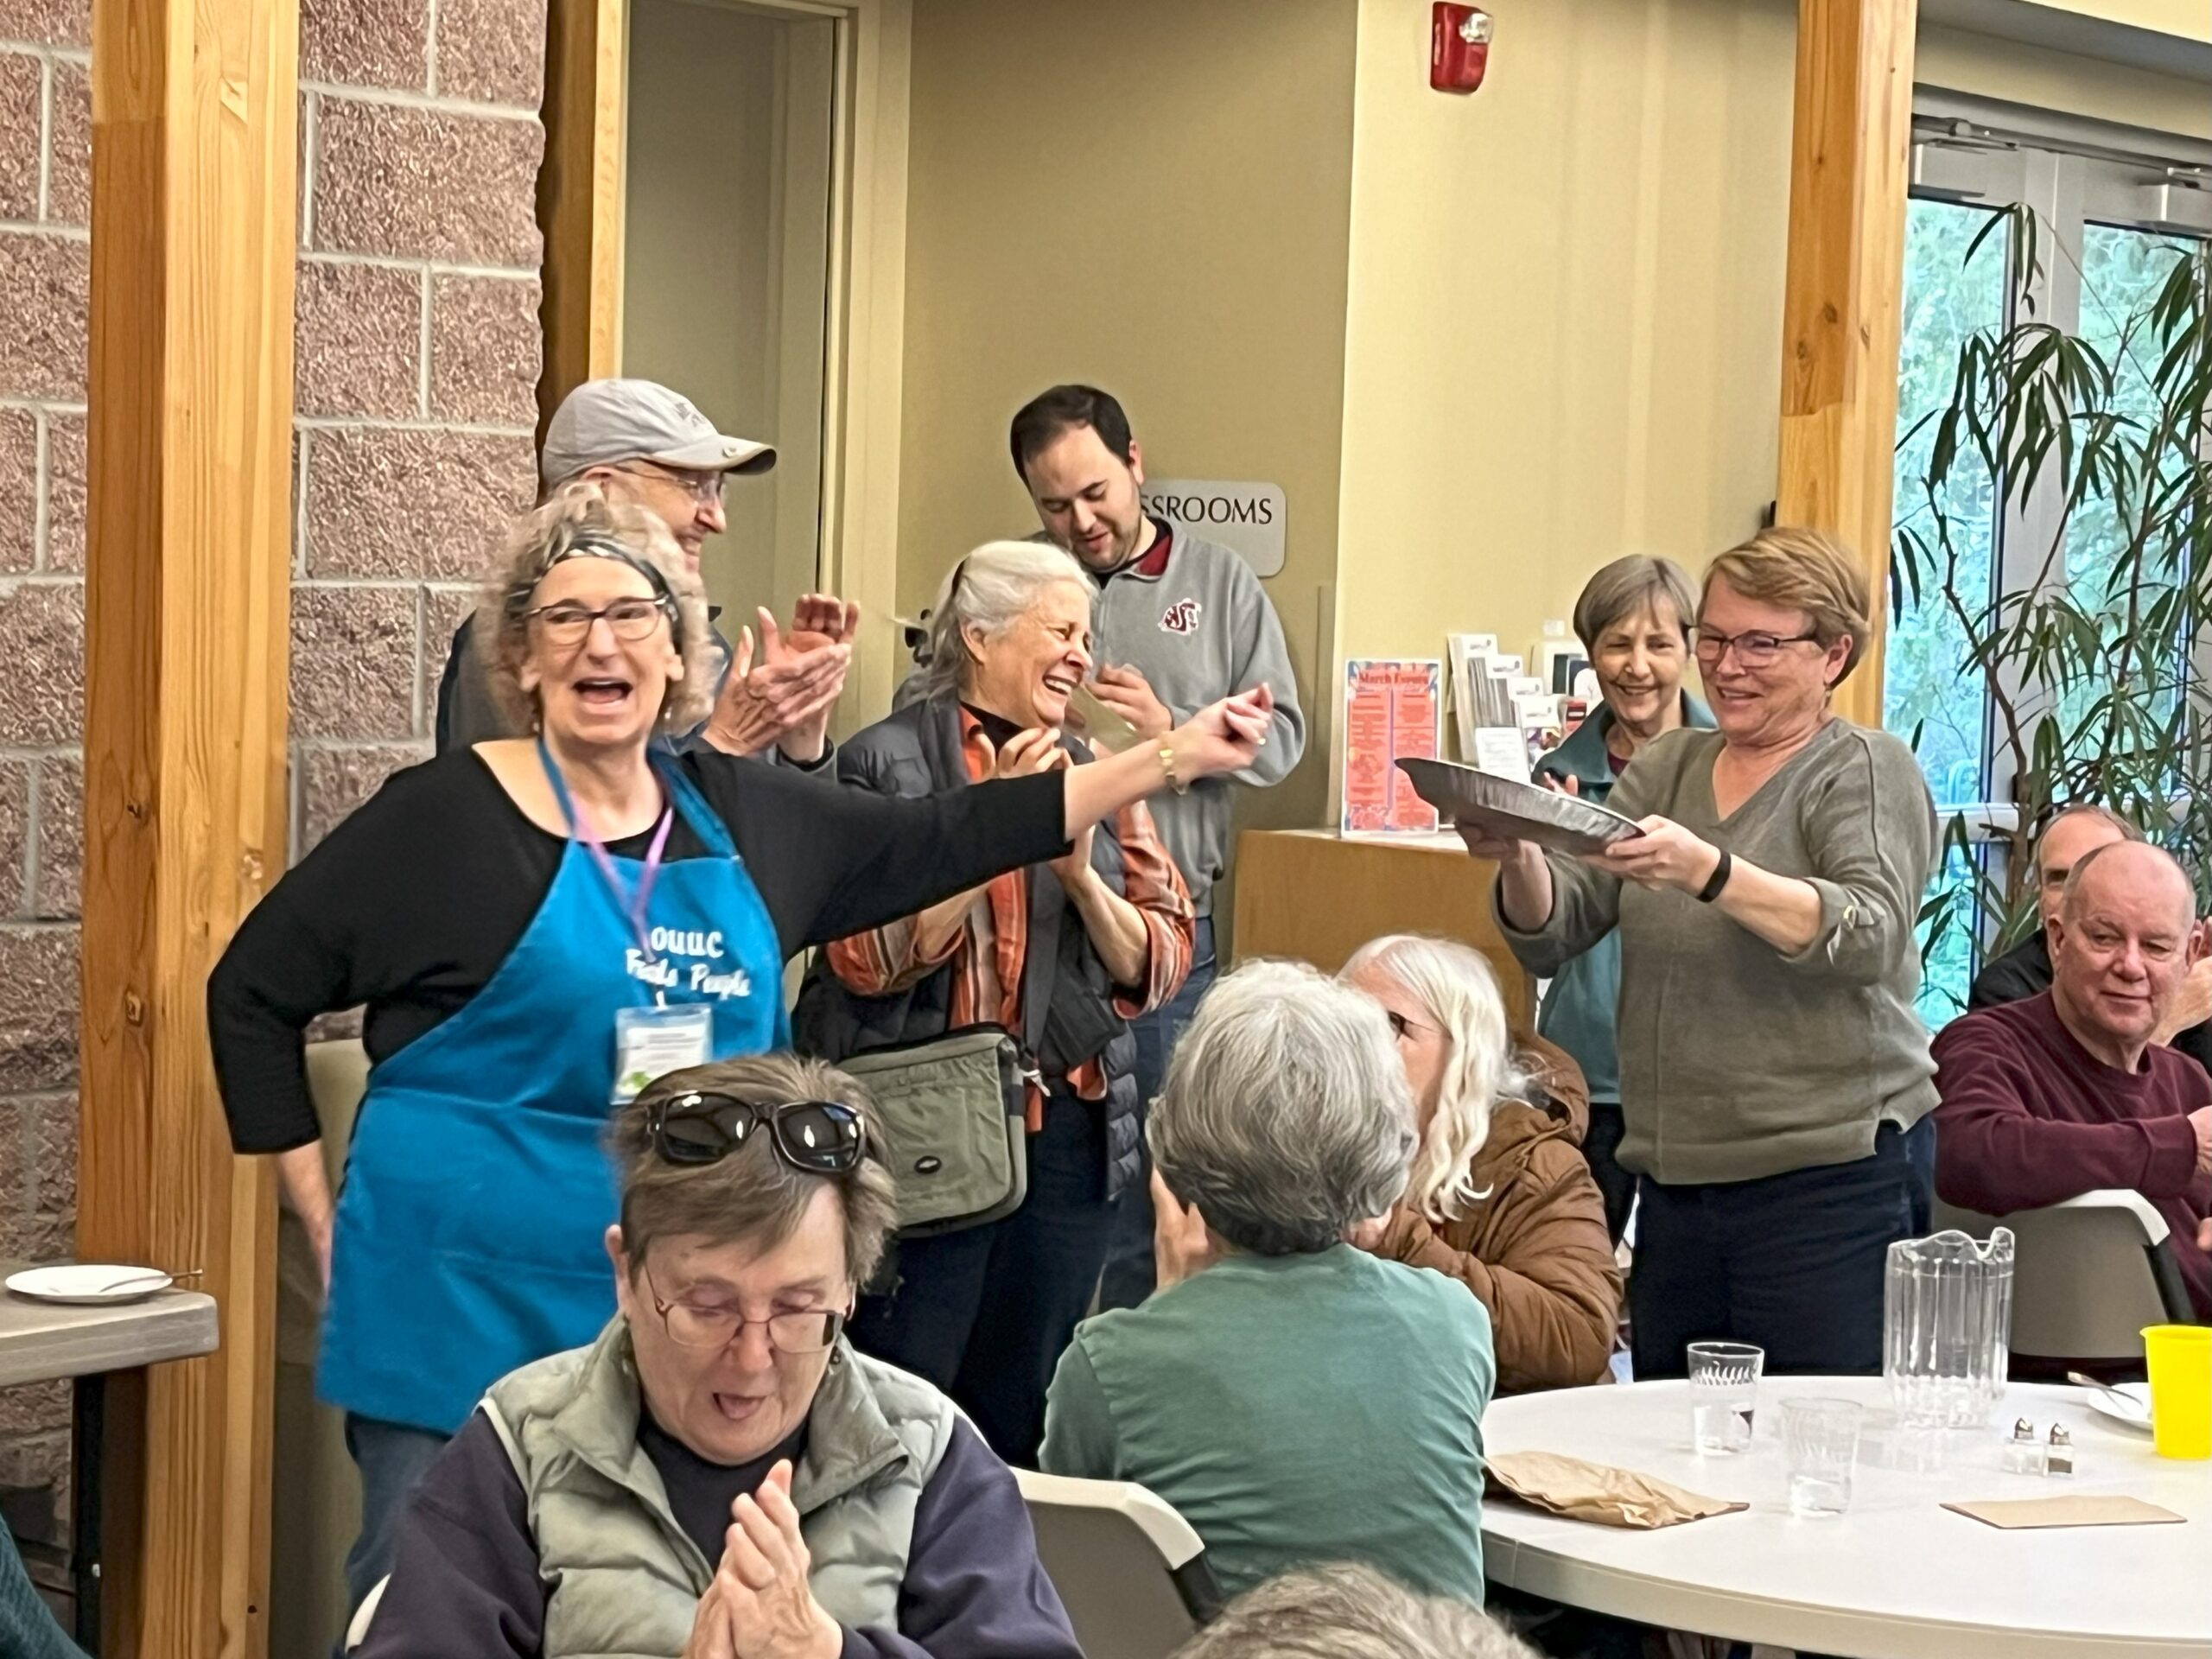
x: 1167, y: 766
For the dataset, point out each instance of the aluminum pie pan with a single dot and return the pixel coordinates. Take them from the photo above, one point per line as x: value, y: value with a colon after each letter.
x: 1505, y: 807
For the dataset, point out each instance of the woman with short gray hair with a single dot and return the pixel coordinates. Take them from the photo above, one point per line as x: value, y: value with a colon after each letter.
x: 1296, y: 1399
x: 641, y: 1493
x: 1287, y: 1118
x: 1634, y: 619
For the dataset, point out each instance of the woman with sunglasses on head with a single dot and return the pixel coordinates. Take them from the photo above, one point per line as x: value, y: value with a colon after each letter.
x: 1775, y: 1078
x: 720, y: 1475
x: 539, y: 925
x: 1064, y: 953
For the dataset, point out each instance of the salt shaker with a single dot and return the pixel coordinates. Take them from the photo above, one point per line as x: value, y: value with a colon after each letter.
x: 2059, y: 1459
x: 2024, y: 1453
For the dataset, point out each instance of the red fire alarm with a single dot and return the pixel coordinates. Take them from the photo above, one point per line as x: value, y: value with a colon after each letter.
x: 1459, y: 47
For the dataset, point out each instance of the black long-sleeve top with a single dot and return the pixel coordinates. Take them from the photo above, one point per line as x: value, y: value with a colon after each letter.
x: 411, y: 904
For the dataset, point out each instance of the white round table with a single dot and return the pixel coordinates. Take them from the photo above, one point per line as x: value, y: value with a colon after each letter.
x: 1898, y: 1577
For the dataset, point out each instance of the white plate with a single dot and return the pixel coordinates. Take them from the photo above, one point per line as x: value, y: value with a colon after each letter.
x: 89, y: 1284
x: 2138, y: 1394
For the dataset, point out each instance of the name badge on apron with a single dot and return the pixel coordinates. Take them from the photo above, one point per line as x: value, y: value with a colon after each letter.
x: 649, y: 1043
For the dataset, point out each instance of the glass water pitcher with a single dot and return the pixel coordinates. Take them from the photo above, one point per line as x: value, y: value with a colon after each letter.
x: 1946, y: 1327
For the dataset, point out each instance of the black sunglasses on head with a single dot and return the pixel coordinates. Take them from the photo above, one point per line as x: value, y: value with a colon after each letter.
x: 818, y: 1137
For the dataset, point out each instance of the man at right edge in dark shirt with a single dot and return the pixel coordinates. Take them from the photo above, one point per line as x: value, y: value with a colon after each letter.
x: 2072, y: 833
x: 2067, y: 1093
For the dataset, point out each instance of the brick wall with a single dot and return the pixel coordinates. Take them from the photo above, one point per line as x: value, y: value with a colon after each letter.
x: 417, y: 349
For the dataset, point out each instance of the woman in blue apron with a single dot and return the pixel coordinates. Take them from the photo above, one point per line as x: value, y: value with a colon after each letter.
x: 535, y: 926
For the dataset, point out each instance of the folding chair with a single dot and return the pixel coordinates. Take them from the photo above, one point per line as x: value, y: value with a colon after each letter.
x: 2088, y: 1273
x: 1130, y: 1570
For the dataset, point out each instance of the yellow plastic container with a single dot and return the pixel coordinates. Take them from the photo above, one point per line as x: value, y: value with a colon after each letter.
x: 2180, y: 1358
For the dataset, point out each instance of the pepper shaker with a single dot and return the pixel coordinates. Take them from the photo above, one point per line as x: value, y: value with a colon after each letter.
x: 2059, y: 1459
x: 2024, y: 1453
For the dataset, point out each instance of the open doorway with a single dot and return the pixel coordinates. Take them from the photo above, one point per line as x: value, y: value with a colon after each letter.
x: 725, y: 262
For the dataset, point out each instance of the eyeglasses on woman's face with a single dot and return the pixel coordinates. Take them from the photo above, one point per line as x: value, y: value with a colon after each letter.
x: 716, y: 1324
x: 565, y: 623
x: 1754, y: 649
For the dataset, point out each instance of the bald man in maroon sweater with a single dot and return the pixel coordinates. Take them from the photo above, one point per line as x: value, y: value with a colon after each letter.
x: 2069, y: 1092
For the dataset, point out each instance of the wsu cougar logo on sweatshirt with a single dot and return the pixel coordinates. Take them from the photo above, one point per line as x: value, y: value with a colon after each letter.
x: 1182, y: 617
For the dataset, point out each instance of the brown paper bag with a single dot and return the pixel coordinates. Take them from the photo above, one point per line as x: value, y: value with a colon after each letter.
x: 1596, y: 1491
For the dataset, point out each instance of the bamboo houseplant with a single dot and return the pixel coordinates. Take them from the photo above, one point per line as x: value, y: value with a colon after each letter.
x: 2094, y: 446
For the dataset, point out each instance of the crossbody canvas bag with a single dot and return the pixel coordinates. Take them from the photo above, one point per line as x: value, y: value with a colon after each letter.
x: 952, y: 1110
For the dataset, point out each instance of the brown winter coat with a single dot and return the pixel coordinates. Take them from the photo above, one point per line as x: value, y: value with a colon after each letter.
x: 1536, y: 1251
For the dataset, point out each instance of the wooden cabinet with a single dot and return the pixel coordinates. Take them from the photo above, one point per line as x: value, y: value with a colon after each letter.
x: 1319, y: 896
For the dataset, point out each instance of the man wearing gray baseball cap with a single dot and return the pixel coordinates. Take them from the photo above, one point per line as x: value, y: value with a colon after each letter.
x: 647, y: 447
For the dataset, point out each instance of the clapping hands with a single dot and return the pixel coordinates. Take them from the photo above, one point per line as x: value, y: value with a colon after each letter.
x: 760, y: 1605
x: 783, y: 691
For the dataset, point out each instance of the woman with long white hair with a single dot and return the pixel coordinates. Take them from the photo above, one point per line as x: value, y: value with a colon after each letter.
x: 1500, y: 1196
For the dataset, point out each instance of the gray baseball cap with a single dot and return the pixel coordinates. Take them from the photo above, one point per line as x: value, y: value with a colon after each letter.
x: 605, y: 422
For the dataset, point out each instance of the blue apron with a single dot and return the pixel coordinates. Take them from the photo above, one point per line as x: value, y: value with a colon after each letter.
x: 470, y: 1230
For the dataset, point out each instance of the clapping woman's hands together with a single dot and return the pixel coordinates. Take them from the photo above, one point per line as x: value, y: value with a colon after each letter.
x: 760, y: 1605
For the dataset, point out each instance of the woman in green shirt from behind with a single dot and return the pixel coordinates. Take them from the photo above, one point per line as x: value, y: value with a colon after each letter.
x: 1296, y: 1399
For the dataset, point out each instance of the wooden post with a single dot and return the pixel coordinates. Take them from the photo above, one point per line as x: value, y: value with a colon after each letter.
x: 580, y: 195
x: 194, y: 164
x: 1848, y: 173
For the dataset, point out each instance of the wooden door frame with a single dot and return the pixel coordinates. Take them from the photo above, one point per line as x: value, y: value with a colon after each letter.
x: 581, y: 209
x: 1842, y: 299
x: 195, y: 193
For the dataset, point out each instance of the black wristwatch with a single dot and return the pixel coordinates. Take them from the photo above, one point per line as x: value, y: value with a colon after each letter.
x: 1719, y: 879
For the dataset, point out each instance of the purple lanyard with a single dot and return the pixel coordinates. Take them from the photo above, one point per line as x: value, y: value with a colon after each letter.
x: 634, y: 904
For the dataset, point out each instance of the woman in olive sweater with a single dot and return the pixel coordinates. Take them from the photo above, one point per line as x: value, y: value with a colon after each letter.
x: 1773, y: 1074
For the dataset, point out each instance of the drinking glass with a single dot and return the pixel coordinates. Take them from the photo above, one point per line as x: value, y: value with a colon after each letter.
x: 1723, y: 1393
x: 1819, y: 1443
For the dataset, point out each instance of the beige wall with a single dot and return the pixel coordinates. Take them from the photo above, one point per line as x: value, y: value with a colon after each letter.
x: 1489, y: 342
x: 1149, y: 194
x: 2020, y: 73
x: 2191, y: 19
x: 725, y: 259
x: 1566, y: 307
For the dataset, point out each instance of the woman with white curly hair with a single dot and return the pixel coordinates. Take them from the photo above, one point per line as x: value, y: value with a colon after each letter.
x: 1500, y: 1197
x: 541, y: 926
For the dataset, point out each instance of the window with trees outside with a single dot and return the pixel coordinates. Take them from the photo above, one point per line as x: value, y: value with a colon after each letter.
x: 2087, y: 245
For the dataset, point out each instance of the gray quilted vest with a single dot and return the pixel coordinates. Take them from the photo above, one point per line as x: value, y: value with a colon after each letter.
x: 626, y: 1579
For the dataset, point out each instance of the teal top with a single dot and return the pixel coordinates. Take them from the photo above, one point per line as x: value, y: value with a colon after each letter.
x: 1579, y: 1010
x: 1295, y: 1409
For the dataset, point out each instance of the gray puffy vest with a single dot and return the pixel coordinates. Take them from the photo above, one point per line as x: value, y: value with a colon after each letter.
x: 626, y: 1578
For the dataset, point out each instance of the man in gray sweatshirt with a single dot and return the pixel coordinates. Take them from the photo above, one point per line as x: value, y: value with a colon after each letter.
x: 1180, y: 622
